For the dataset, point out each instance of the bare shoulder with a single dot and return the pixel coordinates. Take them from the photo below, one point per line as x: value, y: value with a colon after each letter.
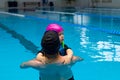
x: 40, y: 57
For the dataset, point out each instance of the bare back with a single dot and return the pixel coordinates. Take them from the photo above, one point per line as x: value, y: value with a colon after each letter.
x: 55, y: 70
x: 52, y: 69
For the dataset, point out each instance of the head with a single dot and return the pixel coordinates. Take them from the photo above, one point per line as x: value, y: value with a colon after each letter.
x: 50, y: 42
x: 58, y: 29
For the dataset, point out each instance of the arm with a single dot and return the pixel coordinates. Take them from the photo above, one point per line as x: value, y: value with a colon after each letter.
x: 32, y: 63
x: 69, y: 56
x: 69, y: 53
x: 76, y: 59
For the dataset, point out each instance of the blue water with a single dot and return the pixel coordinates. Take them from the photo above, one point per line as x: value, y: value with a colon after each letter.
x: 20, y: 40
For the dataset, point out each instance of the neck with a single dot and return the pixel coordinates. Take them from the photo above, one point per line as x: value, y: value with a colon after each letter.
x: 52, y: 56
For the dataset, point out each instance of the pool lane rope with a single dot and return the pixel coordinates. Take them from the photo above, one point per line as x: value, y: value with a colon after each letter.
x: 13, y: 14
x: 88, y: 27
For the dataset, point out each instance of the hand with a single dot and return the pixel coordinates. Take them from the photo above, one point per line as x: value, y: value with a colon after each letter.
x: 77, y: 59
x: 22, y: 65
x: 81, y: 59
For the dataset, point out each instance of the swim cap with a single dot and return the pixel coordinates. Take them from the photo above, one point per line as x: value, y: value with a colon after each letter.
x: 54, y: 27
x: 50, y: 42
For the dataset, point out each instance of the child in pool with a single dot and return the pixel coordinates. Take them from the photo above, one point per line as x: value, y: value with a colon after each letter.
x: 64, y: 49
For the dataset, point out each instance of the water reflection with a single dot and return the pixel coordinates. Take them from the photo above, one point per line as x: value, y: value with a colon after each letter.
x: 103, y: 49
x: 108, y: 51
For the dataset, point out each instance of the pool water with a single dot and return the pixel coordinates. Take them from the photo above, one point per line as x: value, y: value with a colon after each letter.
x: 20, y: 40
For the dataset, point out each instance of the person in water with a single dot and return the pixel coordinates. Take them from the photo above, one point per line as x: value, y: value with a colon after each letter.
x: 64, y: 49
x: 51, y: 66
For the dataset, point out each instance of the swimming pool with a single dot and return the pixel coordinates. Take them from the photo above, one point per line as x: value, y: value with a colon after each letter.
x: 20, y: 40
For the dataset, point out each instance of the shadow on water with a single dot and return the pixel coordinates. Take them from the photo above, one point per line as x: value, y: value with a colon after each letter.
x: 26, y: 43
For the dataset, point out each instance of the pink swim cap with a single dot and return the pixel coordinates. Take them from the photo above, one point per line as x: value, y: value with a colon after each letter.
x: 54, y: 27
